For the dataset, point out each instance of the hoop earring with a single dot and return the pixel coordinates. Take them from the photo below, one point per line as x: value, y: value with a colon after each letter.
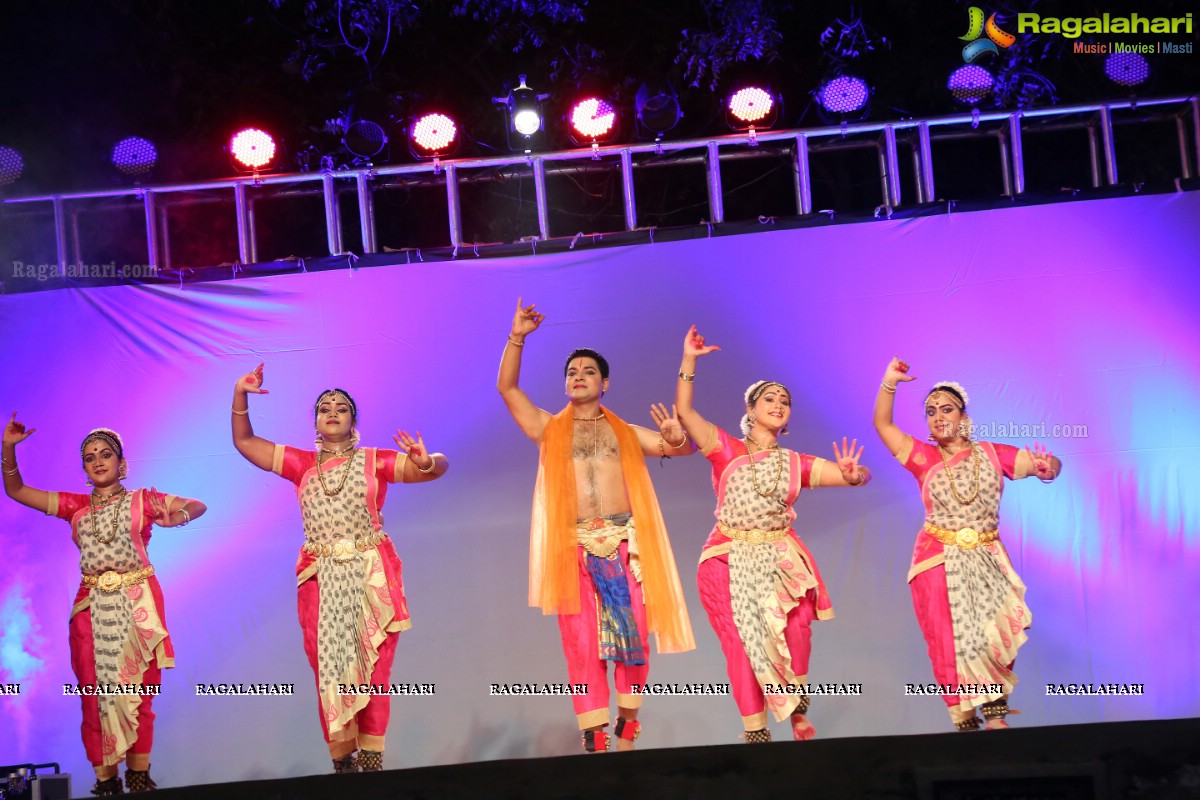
x: 752, y: 418
x: 785, y: 431
x: 89, y: 482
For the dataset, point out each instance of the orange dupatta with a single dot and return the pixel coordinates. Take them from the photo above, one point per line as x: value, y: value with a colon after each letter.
x: 553, y: 570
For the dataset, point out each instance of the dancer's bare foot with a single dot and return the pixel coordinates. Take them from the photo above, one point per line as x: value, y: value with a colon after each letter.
x: 997, y: 724
x: 802, y: 729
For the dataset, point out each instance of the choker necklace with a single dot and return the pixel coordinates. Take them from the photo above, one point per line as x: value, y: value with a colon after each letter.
x: 345, y: 473
x: 338, y: 453
x: 589, y: 419
x: 952, y: 475
x: 108, y: 501
x: 753, y: 471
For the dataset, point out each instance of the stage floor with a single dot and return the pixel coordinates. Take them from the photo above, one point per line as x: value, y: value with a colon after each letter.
x: 1157, y: 759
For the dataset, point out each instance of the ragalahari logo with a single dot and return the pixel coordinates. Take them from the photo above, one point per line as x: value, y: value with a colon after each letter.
x: 978, y: 46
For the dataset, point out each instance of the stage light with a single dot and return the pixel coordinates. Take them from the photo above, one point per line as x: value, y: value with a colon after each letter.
x: 1127, y: 69
x: 656, y: 109
x: 432, y: 135
x: 134, y: 156
x: 969, y: 84
x: 592, y: 120
x: 523, y: 111
x: 364, y: 139
x: 843, y: 95
x: 11, y: 165
x: 252, y: 149
x: 750, y: 106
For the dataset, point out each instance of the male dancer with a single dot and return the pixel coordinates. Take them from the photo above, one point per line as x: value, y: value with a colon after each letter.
x: 599, y: 554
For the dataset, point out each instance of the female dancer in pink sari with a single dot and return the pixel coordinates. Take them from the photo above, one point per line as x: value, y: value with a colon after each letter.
x: 758, y: 582
x: 969, y: 600
x: 351, y: 593
x: 118, y: 628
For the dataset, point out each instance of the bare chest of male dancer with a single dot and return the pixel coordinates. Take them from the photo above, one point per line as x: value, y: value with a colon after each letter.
x: 599, y: 480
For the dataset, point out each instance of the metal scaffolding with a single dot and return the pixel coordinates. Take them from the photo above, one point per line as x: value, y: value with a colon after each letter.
x: 887, y: 138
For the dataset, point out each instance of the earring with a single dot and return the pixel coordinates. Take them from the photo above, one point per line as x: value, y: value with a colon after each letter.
x: 89, y: 482
x: 785, y: 430
x: 123, y: 473
x: 931, y: 438
x: 752, y: 418
x: 965, y: 428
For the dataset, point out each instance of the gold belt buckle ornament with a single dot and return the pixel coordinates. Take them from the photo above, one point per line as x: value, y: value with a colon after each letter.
x: 109, y: 581
x: 967, y: 538
x: 343, y: 550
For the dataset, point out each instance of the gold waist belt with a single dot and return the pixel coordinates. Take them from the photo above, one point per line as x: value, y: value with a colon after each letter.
x: 112, y: 580
x: 602, y: 537
x: 967, y: 538
x: 343, y: 549
x: 755, y: 536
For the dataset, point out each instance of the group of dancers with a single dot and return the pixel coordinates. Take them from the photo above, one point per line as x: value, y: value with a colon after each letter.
x: 600, y: 557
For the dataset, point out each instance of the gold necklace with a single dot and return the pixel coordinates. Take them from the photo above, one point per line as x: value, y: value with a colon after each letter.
x: 753, y: 472
x: 952, y: 475
x: 345, y: 473
x: 589, y: 419
x: 108, y: 501
x: 337, y: 453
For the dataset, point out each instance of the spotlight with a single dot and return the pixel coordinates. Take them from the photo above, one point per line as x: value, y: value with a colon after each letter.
x: 656, y: 107
x: 751, y: 108
x: 365, y: 139
x: 592, y: 121
x: 969, y: 84
x: 432, y: 135
x: 844, y: 95
x: 134, y: 156
x: 11, y: 165
x: 252, y: 149
x: 523, y: 110
x: 1127, y: 69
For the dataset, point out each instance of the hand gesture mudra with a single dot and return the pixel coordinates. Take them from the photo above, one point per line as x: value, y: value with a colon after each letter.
x: 897, y: 370
x: 158, y: 503
x: 1041, y: 461
x: 669, y: 425
x: 693, y: 344
x: 252, y: 381
x: 15, y: 433
x: 847, y: 460
x: 415, y: 448
x: 526, y: 320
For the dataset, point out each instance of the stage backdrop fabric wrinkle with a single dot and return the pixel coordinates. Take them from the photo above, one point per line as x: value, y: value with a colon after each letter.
x: 1081, y: 315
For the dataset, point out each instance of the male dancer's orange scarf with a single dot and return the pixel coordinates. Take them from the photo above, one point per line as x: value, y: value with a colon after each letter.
x: 553, y: 564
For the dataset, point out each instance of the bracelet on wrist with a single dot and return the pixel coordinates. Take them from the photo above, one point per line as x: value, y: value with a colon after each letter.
x: 186, y: 517
x: 432, y: 465
x: 687, y: 377
x: 245, y: 413
x: 515, y: 343
x: 682, y: 441
x: 890, y: 388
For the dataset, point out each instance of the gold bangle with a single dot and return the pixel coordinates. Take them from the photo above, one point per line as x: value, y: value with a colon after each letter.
x: 245, y: 413
x: 12, y: 471
x: 186, y: 517
x: 682, y: 441
x: 662, y: 452
x: 890, y: 388
x: 432, y: 464
x: 515, y: 343
x: 687, y: 377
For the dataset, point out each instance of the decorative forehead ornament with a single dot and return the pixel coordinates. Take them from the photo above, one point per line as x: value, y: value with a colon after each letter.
x: 335, y: 396
x: 109, y: 437
x: 759, y: 388
x: 934, y: 394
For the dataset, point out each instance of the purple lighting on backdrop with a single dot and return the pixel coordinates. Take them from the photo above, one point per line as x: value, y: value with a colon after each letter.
x: 844, y: 94
x: 252, y: 148
x: 1107, y: 550
x: 134, y: 156
x: 11, y: 166
x: 970, y: 84
x: 1127, y: 69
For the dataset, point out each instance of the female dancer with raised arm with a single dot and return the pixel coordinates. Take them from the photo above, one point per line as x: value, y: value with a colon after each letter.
x: 758, y: 582
x: 351, y: 593
x: 969, y: 600
x: 118, y: 633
